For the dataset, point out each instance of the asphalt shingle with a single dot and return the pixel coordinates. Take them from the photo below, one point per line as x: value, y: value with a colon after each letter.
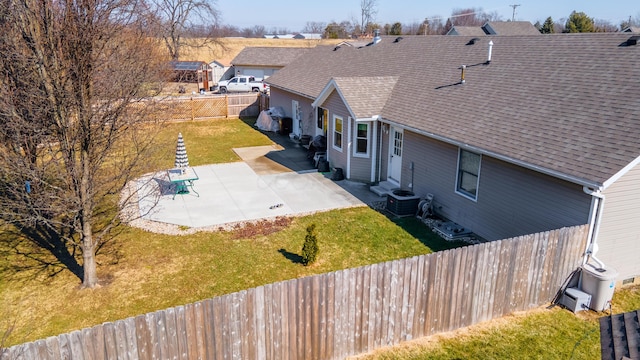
x: 565, y: 104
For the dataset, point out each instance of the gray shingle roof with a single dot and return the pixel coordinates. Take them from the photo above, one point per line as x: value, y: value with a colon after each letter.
x: 564, y: 104
x: 466, y: 31
x: 510, y: 28
x: 267, y: 56
x: 363, y: 102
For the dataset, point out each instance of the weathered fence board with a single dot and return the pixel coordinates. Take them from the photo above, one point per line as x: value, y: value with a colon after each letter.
x: 334, y: 315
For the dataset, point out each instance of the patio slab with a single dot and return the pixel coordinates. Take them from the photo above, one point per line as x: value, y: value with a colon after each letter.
x: 235, y: 193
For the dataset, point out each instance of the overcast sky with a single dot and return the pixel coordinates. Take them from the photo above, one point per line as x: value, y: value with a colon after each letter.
x: 294, y: 14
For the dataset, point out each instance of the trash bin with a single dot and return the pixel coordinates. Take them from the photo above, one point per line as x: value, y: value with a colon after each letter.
x: 286, y: 124
x: 599, y: 283
x: 338, y: 174
x: 323, y: 166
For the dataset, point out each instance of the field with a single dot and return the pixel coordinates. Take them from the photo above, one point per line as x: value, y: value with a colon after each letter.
x: 228, y: 48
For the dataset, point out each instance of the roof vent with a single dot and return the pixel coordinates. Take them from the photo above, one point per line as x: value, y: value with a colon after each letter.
x: 376, y: 36
x: 490, y: 49
x: 633, y: 40
x: 463, y: 68
x: 473, y: 41
x: 398, y: 39
x: 336, y: 48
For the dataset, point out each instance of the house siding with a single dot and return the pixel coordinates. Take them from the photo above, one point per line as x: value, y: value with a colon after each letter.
x: 257, y: 71
x: 335, y: 106
x: 619, y: 234
x: 284, y: 99
x: 511, y: 201
x: 361, y: 166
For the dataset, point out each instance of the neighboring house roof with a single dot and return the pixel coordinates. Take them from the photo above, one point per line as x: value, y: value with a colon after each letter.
x: 186, y: 65
x: 563, y: 104
x: 619, y: 336
x: 510, y: 28
x: 219, y: 63
x: 466, y: 31
x: 312, y: 36
x: 267, y: 56
x: 632, y: 29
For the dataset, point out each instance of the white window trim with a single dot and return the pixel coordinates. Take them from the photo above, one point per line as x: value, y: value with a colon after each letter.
x: 333, y: 133
x: 366, y: 154
x: 462, y: 193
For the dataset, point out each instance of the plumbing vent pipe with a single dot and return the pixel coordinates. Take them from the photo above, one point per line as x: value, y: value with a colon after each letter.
x: 376, y: 36
x: 463, y: 67
x: 490, y: 49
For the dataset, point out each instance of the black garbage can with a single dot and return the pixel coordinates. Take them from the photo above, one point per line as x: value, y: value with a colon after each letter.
x: 323, y: 166
x: 338, y: 174
x: 286, y: 124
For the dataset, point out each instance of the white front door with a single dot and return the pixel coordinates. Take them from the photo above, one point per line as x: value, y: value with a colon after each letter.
x: 395, y: 155
x: 295, y: 116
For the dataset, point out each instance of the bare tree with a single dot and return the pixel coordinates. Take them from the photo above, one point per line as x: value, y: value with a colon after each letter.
x: 368, y: 12
x: 601, y: 25
x: 314, y: 27
x: 174, y: 18
x: 73, y: 75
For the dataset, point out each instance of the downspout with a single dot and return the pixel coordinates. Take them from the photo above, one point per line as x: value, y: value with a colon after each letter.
x: 348, y: 147
x: 594, y: 225
x: 374, y: 150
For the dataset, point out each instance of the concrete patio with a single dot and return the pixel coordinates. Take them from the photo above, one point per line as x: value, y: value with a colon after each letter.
x: 269, y: 182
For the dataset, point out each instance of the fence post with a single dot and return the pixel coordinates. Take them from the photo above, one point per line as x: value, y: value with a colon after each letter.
x: 226, y: 107
x: 193, y: 116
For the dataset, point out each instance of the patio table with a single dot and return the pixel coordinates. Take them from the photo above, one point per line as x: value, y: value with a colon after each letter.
x: 183, y: 179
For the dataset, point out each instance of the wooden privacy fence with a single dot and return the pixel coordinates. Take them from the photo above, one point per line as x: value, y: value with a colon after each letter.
x: 215, y: 106
x: 342, y: 313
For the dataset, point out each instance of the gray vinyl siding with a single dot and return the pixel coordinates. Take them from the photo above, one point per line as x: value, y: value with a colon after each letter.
x: 336, y: 107
x: 278, y: 97
x: 619, y: 234
x: 511, y: 201
x: 361, y: 166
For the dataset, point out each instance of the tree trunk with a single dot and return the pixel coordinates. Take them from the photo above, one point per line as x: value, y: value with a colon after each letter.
x: 90, y: 272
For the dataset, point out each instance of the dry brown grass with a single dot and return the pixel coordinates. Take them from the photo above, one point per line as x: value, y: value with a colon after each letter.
x: 230, y: 47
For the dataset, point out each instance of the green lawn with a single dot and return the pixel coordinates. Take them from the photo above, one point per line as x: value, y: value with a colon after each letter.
x: 539, y: 334
x: 147, y: 272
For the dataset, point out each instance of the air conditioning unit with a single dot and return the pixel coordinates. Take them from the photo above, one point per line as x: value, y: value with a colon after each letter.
x: 402, y: 203
x: 575, y: 300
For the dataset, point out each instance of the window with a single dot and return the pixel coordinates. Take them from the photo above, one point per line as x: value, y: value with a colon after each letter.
x: 468, y: 174
x: 337, y: 133
x: 362, y: 140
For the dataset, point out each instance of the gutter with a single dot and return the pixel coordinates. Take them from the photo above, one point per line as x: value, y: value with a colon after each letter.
x: 595, y: 218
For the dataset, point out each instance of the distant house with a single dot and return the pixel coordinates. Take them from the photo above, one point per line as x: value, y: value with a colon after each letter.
x: 466, y: 31
x: 298, y: 36
x: 544, y: 135
x: 509, y: 28
x: 263, y: 62
x: 193, y: 72
x: 632, y: 29
x: 308, y: 36
x: 220, y: 71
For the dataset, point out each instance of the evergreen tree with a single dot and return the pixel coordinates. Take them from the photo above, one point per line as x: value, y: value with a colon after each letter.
x: 579, y: 22
x: 396, y: 29
x: 310, y: 247
x: 547, y: 27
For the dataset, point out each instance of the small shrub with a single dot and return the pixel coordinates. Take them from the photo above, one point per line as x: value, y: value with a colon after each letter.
x: 310, y: 247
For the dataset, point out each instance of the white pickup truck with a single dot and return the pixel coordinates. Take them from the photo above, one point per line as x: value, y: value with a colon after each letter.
x: 242, y: 83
